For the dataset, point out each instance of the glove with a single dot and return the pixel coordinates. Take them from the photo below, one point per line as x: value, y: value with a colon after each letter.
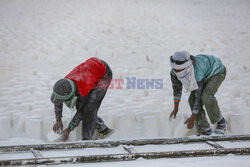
x: 58, y: 127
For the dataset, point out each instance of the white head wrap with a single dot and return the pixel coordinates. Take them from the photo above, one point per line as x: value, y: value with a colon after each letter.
x: 186, y: 76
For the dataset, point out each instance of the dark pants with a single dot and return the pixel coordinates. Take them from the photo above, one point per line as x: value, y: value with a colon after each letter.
x: 209, y: 101
x: 89, y: 110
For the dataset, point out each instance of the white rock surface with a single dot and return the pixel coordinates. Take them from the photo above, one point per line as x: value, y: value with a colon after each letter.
x: 5, y: 127
x: 40, y: 42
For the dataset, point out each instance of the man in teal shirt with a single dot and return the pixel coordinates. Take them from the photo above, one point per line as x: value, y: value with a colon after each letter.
x: 201, y: 75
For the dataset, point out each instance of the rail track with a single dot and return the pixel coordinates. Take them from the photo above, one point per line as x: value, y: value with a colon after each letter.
x: 121, y: 150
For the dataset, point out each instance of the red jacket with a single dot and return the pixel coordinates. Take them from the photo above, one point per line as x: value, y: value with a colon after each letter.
x: 87, y: 74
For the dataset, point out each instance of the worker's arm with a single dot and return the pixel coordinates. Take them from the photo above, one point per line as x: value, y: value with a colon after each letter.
x: 177, y: 92
x: 196, y: 106
x: 58, y: 106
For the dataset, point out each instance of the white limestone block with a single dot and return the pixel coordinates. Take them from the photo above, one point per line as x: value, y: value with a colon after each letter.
x: 123, y: 122
x: 47, y: 126
x: 24, y: 107
x: 72, y: 136
x: 239, y: 124
x: 48, y: 132
x: 150, y: 126
x: 33, y: 127
x: 78, y: 132
x: 18, y: 122
x: 52, y: 136
x: 5, y: 127
x: 180, y: 128
x: 164, y: 125
x: 118, y: 120
x: 248, y: 100
x: 5, y: 114
x: 140, y: 115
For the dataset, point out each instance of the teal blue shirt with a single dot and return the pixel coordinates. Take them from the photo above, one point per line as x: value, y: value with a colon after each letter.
x: 206, y: 66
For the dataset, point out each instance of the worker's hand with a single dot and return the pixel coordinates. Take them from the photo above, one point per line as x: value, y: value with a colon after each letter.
x: 173, y: 114
x: 65, y: 135
x: 58, y: 126
x: 190, y: 121
x: 175, y: 111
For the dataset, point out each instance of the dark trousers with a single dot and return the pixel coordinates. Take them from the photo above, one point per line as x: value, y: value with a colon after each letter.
x: 90, y: 120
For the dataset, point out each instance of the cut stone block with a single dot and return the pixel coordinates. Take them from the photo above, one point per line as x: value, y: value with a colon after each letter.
x: 18, y: 123
x: 20, y: 107
x: 123, y: 122
x: 5, y: 127
x: 33, y: 128
x: 47, y: 126
x: 52, y: 137
x: 150, y: 126
x: 248, y: 100
x: 140, y: 115
x: 180, y: 128
x: 239, y: 124
x: 5, y: 114
x: 78, y: 131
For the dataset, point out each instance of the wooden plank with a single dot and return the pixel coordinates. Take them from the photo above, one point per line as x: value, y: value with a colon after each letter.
x: 115, y: 143
x: 126, y: 157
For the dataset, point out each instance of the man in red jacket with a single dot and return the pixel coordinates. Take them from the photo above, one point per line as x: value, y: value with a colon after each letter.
x: 83, y: 89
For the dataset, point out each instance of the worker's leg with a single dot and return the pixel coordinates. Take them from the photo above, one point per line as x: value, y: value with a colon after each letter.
x: 201, y: 120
